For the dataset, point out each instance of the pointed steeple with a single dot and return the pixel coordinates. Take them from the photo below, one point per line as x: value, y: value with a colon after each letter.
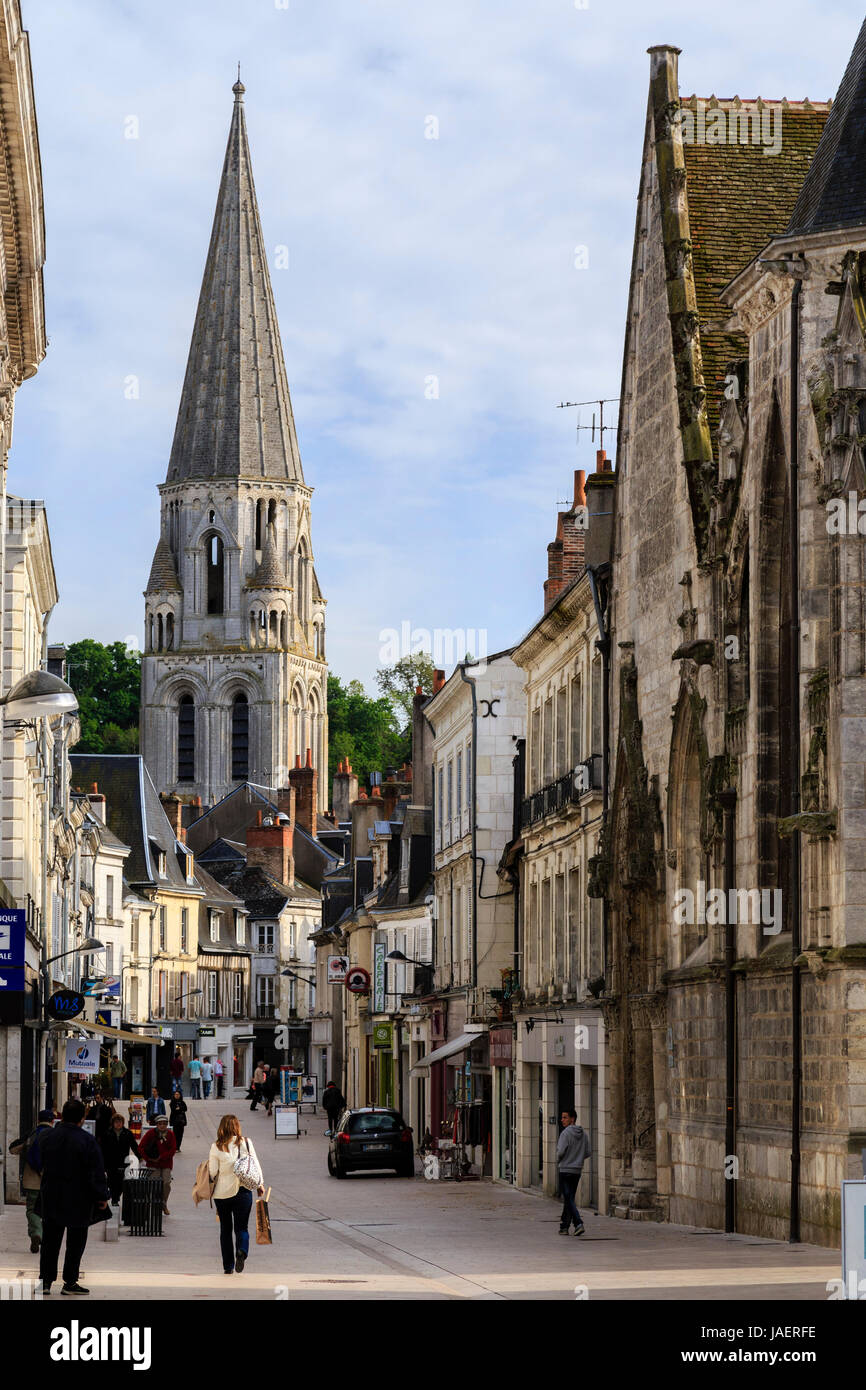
x: 235, y: 417
x: 834, y: 193
x: 269, y: 573
x: 163, y: 574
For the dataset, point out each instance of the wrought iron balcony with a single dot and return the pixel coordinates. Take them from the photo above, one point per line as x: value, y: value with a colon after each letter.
x: 565, y: 791
x: 266, y: 1010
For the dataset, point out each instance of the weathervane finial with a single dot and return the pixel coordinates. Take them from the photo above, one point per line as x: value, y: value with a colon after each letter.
x: 239, y: 87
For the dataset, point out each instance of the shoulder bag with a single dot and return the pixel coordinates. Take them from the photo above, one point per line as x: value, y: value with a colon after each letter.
x: 247, y: 1169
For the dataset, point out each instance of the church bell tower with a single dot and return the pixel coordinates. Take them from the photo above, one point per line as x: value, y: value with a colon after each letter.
x: 234, y: 678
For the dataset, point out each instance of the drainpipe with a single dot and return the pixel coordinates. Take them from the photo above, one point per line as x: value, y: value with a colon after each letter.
x: 728, y: 800
x: 598, y: 580
x: 42, y: 1071
x: 463, y: 676
x: 794, y: 772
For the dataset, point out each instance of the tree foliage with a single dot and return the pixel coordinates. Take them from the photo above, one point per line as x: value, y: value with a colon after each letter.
x: 399, y: 682
x: 107, y: 681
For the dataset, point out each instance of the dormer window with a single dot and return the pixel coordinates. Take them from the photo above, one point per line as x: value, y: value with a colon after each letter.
x: 215, y: 923
x: 159, y: 858
x: 241, y: 929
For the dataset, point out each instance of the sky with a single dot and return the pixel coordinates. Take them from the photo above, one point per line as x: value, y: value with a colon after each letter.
x: 430, y: 170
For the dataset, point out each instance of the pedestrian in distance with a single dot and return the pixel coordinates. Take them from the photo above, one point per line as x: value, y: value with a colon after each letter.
x: 28, y: 1176
x: 177, y: 1117
x: 100, y: 1112
x: 572, y: 1151
x: 206, y: 1077
x: 116, y: 1147
x: 195, y: 1079
x: 118, y: 1072
x: 73, y: 1183
x: 272, y: 1088
x: 258, y: 1081
x: 218, y: 1076
x: 158, y: 1148
x: 155, y: 1106
x: 234, y: 1202
x: 175, y: 1068
x: 333, y: 1101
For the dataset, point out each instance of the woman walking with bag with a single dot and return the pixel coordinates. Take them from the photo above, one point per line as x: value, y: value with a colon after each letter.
x: 177, y: 1117
x: 233, y: 1164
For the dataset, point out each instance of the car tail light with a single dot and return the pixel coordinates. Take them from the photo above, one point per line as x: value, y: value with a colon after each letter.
x: 406, y: 1136
x: 342, y: 1135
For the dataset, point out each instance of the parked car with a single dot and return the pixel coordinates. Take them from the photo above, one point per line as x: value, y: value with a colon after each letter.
x: 371, y: 1137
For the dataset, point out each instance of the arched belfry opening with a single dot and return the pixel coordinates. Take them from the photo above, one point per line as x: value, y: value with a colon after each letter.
x: 214, y: 552
x: 240, y: 737
x: 186, y: 739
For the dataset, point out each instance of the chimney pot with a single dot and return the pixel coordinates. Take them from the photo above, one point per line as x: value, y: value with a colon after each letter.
x: 95, y: 787
x: 579, y: 489
x: 309, y: 762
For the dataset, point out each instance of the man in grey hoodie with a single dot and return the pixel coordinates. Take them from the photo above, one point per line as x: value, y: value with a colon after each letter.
x: 572, y: 1151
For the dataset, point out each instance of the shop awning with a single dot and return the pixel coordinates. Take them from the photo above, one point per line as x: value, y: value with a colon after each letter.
x: 446, y: 1050
x: 102, y: 1029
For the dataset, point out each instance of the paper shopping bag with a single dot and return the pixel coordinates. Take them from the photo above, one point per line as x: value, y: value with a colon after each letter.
x: 263, y: 1221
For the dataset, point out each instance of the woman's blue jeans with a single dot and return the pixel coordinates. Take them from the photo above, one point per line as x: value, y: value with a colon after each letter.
x: 234, y: 1215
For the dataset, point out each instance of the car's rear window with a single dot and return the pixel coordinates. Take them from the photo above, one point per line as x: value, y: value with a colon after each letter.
x: 381, y: 1122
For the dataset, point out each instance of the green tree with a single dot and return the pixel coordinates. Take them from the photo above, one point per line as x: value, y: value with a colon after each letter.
x: 107, y: 681
x: 399, y: 682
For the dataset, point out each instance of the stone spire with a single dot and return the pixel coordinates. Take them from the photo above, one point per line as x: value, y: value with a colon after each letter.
x: 269, y: 573
x: 163, y: 574
x: 834, y: 193
x: 235, y: 417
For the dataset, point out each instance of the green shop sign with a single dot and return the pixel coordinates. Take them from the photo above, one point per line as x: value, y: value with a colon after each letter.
x: 382, y: 1035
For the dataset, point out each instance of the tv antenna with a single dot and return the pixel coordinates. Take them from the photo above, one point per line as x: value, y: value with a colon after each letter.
x: 601, y: 426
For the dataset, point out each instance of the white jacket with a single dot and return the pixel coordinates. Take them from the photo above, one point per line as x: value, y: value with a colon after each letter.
x: 220, y: 1165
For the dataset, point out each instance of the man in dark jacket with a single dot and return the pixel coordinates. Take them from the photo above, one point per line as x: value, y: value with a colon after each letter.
x: 100, y: 1112
x: 333, y: 1102
x: 73, y: 1182
x: 116, y: 1146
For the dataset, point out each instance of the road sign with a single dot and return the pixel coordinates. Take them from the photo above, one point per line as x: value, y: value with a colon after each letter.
x: 109, y: 1018
x: 337, y: 967
x: 65, y: 1003
x: 358, y: 980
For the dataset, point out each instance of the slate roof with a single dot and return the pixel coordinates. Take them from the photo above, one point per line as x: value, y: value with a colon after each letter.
x: 163, y: 574
x: 134, y: 813
x: 739, y: 198
x: 263, y: 895
x: 235, y: 416
x: 222, y: 852
x: 834, y: 193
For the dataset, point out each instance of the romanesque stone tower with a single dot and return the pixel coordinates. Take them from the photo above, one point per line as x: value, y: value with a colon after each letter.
x: 234, y: 680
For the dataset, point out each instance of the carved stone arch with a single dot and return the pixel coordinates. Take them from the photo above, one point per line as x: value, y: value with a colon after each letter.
x: 176, y: 683
x: 224, y: 689
x: 219, y: 524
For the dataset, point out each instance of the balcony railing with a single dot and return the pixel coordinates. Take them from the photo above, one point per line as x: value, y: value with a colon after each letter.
x: 266, y: 1010
x: 565, y: 791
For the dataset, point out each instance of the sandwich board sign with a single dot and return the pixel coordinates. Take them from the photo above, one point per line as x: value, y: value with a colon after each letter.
x: 285, y: 1122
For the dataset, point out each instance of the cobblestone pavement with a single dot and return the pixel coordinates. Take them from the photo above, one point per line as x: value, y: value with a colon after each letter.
x: 376, y: 1236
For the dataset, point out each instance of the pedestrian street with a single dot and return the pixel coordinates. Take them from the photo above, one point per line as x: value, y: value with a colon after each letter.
x: 376, y: 1236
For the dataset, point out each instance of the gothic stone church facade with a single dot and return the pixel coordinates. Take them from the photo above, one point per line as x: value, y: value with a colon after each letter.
x: 737, y: 1048
x: 234, y: 680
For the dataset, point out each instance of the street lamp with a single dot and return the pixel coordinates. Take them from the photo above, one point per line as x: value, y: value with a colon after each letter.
x: 405, y: 960
x: 190, y: 994
x: 39, y: 695
x: 87, y: 947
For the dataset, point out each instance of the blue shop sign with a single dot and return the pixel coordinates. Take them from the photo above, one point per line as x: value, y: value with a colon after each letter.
x: 12, y: 930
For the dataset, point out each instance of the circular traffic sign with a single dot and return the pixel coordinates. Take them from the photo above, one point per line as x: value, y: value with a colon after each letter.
x: 65, y: 1003
x: 358, y: 980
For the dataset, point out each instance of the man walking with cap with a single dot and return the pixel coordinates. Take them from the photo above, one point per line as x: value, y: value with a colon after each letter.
x: 158, y: 1148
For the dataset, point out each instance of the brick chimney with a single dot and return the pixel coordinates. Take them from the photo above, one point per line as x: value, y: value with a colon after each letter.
x: 345, y: 790
x: 97, y: 803
x: 173, y: 807
x: 365, y: 811
x: 565, y: 554
x: 269, y: 847
x: 305, y: 782
x: 438, y: 681
x: 286, y: 801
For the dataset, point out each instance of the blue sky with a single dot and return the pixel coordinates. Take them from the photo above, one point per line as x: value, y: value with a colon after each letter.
x: 409, y: 258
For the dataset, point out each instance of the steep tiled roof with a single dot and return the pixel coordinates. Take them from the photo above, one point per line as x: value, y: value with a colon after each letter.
x: 834, y: 194
x: 163, y: 574
x: 134, y: 813
x: 739, y: 198
x: 235, y: 417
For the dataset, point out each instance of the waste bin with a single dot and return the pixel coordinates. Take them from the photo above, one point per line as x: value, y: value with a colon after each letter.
x: 142, y: 1203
